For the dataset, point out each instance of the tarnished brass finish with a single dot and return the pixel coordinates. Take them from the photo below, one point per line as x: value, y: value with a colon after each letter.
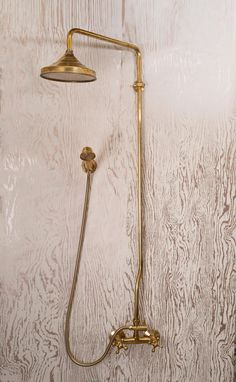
x: 69, y: 69
x: 89, y: 166
x: 87, y: 154
x: 88, y: 162
x: 141, y: 335
x: 138, y: 85
x: 118, y: 340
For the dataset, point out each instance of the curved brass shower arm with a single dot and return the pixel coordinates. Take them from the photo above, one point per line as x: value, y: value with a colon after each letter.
x: 110, y: 40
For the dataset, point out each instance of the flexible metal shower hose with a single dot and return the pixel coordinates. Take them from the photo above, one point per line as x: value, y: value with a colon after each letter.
x: 73, y: 288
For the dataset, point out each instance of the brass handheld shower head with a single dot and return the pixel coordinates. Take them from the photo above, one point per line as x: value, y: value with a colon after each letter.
x: 88, y: 162
x: 87, y: 154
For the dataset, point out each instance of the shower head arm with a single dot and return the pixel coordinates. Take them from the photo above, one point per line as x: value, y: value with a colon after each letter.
x: 110, y: 40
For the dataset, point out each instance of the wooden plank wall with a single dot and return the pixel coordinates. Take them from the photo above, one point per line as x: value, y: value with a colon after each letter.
x: 189, y: 190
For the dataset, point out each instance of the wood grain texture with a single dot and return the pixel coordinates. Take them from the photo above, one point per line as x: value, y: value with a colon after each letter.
x: 189, y: 190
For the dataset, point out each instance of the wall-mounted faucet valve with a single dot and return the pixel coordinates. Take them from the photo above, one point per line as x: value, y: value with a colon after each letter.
x: 141, y: 335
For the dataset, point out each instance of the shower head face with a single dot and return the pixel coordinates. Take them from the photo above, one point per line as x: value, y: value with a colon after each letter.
x: 68, y: 69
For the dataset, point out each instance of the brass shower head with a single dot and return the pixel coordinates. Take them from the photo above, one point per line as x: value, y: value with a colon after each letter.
x: 68, y: 69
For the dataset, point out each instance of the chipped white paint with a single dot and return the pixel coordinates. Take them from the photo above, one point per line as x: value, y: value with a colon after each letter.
x: 189, y: 136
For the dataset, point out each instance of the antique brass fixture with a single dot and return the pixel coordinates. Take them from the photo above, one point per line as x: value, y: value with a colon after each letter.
x: 69, y: 69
